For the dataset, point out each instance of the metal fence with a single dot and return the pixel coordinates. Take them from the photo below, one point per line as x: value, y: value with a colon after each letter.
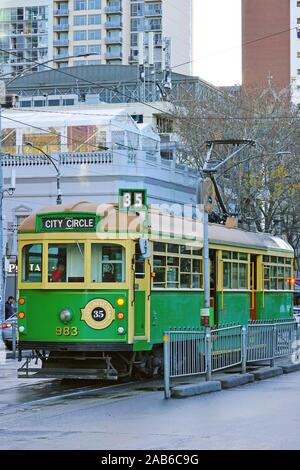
x: 196, y: 352
x: 226, y: 347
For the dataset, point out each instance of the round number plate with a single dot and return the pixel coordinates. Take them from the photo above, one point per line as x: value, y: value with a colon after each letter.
x: 98, y: 314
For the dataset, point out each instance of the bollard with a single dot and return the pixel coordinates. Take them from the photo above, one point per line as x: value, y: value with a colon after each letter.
x: 166, y: 339
x: 208, y: 354
x: 14, y: 339
x: 244, y: 349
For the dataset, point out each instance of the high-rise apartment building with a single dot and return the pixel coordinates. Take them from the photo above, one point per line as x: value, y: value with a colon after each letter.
x: 80, y: 32
x: 271, y: 46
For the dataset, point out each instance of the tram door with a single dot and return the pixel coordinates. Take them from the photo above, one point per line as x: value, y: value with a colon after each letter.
x: 253, y: 286
x: 141, y: 295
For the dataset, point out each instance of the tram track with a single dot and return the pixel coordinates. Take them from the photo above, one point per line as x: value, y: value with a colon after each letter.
x: 28, y: 396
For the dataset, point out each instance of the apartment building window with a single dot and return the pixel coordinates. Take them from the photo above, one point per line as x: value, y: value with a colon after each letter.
x: 137, y: 24
x: 134, y: 40
x: 298, y: 20
x: 94, y: 49
x: 94, y: 34
x: 80, y: 5
x: 94, y: 19
x: 298, y: 4
x: 94, y: 4
x: 80, y: 20
x: 137, y: 9
x: 79, y: 50
x: 153, y: 24
x: 298, y: 55
x: 79, y: 35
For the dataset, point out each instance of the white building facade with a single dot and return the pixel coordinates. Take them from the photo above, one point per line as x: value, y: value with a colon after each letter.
x: 97, y: 151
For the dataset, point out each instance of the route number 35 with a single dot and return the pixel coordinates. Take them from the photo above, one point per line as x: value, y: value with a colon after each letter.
x: 66, y: 331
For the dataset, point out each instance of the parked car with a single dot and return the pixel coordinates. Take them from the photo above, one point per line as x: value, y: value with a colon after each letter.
x: 297, y: 313
x: 6, y: 328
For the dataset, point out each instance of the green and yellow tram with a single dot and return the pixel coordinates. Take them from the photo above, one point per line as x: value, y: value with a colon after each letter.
x: 96, y: 294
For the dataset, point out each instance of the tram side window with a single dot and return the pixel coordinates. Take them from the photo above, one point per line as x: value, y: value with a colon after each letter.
x: 177, y: 266
x: 66, y: 262
x: 139, y: 263
x: 32, y: 263
x: 277, y: 273
x: 235, y: 270
x: 108, y: 263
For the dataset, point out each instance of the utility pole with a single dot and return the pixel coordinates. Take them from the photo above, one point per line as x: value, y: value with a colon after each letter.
x: 3, y: 101
x: 206, y: 196
x: 1, y: 223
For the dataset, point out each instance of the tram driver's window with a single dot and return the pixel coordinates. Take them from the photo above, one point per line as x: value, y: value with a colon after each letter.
x: 108, y: 263
x: 32, y: 263
x: 66, y: 262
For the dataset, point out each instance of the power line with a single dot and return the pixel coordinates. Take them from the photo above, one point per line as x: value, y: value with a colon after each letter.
x: 24, y: 110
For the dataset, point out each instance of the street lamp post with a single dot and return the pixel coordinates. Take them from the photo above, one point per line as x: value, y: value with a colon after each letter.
x: 58, y: 175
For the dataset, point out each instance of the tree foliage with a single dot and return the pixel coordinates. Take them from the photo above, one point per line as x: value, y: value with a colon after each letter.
x: 262, y: 183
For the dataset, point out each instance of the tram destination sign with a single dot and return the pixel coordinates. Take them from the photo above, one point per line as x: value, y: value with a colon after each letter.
x: 72, y: 223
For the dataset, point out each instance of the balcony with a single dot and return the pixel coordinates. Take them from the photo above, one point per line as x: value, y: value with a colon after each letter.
x: 61, y: 42
x: 113, y: 40
x: 132, y: 58
x: 116, y: 8
x: 61, y: 12
x: 113, y: 55
x: 110, y: 25
x: 60, y: 56
x: 152, y: 11
x: 153, y: 26
x: 60, y: 27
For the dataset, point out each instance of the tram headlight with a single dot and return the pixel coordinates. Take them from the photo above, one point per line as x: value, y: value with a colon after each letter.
x: 21, y: 329
x: 65, y: 315
x: 121, y: 330
x: 120, y: 302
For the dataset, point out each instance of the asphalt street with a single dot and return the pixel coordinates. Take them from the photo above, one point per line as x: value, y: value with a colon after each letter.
x: 261, y: 415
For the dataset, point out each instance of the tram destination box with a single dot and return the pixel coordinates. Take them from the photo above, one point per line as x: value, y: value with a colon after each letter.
x: 53, y: 223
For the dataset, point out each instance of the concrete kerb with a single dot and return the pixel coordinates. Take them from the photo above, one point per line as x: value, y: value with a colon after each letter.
x: 198, y: 388
x: 235, y: 380
x: 288, y: 368
x: 267, y: 372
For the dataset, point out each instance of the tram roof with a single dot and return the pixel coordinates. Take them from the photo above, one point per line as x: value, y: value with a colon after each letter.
x: 218, y: 234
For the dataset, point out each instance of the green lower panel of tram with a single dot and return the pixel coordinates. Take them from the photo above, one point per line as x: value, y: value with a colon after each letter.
x: 88, y: 322
x: 174, y: 309
x: 274, y: 305
x: 232, y: 307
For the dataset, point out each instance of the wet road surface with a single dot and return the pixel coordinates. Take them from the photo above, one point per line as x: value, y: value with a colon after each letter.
x: 260, y: 415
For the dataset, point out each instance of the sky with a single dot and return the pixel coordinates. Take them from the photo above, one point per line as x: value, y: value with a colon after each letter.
x: 217, y: 39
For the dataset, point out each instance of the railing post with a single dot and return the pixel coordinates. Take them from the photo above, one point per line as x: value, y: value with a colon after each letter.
x: 208, y: 354
x: 244, y: 349
x: 272, y: 361
x: 298, y: 330
x: 14, y: 339
x: 167, y: 365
